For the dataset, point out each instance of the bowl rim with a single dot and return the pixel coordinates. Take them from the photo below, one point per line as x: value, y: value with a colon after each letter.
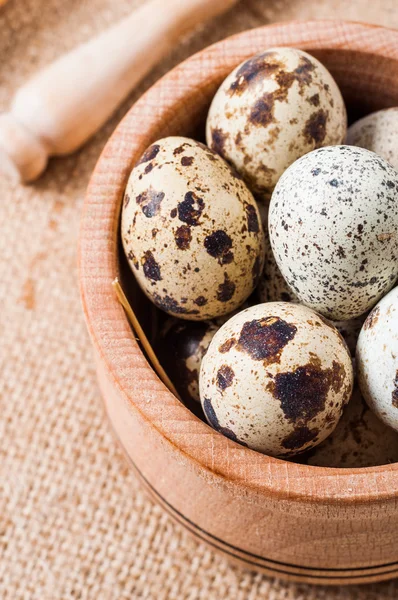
x: 111, y: 335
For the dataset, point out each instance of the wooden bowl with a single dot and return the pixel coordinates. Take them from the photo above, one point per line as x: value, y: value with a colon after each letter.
x: 313, y: 524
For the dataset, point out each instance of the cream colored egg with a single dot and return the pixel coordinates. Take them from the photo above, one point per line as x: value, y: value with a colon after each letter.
x: 377, y: 359
x: 333, y: 225
x: 272, y: 109
x: 191, y: 230
x: 180, y: 348
x: 275, y: 378
x: 350, y: 331
x: 377, y: 132
x: 272, y: 287
x: 359, y: 440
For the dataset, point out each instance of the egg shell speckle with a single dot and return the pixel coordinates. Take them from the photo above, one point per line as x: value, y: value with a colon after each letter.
x: 359, y: 440
x: 272, y: 109
x: 350, y: 331
x: 333, y: 225
x: 377, y: 132
x: 377, y: 359
x: 272, y: 286
x: 275, y: 378
x: 191, y: 230
x: 180, y: 348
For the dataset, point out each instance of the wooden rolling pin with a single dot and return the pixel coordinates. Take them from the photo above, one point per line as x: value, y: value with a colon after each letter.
x: 62, y: 106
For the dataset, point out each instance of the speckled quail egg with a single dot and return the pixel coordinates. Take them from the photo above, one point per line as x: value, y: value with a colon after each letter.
x: 272, y: 287
x: 333, y: 225
x: 272, y: 109
x: 180, y: 348
x: 350, y: 331
x: 359, y: 440
x: 377, y: 132
x: 275, y: 378
x: 377, y: 359
x: 191, y: 230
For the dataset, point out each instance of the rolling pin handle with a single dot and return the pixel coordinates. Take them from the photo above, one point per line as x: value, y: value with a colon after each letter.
x: 22, y: 156
x: 61, y: 107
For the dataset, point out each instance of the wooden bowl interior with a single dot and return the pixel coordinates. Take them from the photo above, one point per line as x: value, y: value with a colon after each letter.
x: 364, y: 61
x: 367, y: 81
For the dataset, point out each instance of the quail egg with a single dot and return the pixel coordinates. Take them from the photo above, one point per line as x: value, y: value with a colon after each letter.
x: 333, y: 225
x: 377, y: 132
x: 272, y: 286
x: 275, y: 378
x: 350, y: 331
x: 272, y: 109
x: 377, y: 359
x: 191, y: 230
x: 180, y: 348
x: 359, y: 440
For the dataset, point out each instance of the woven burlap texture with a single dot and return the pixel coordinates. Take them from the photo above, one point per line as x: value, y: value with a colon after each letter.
x: 74, y: 522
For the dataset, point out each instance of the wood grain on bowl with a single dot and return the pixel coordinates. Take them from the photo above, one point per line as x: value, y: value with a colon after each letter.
x: 312, y: 524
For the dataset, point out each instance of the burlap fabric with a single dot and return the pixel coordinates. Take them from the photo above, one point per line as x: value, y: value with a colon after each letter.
x: 73, y: 522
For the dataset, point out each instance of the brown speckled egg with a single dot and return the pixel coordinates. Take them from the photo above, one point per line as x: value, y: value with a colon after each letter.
x: 359, y: 440
x: 275, y: 378
x: 180, y: 348
x: 333, y: 224
x: 272, y: 109
x: 377, y: 359
x: 377, y: 132
x: 191, y: 230
x: 272, y: 287
x: 350, y: 331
